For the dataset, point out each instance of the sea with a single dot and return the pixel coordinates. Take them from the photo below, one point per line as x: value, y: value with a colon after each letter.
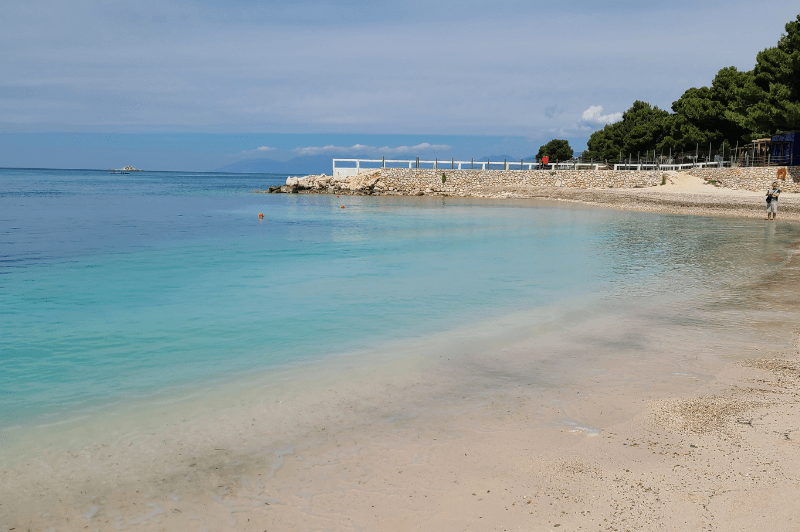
x: 125, y: 299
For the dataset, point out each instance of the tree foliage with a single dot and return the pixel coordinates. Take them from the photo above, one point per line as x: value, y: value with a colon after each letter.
x: 642, y: 127
x: 556, y: 150
x: 738, y: 107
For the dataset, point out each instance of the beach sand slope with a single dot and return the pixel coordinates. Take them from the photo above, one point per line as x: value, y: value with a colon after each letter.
x: 682, y: 194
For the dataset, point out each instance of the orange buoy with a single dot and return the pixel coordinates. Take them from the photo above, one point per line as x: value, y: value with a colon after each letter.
x: 337, y: 195
x: 261, y: 215
x: 342, y: 206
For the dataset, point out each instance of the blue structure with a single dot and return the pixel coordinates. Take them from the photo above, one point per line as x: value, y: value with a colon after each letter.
x: 785, y: 148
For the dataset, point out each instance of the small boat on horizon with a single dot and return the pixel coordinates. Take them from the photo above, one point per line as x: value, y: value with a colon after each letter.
x: 125, y: 170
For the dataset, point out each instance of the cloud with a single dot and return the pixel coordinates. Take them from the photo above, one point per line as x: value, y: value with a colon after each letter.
x: 595, y: 114
x: 259, y: 149
x: 373, y: 150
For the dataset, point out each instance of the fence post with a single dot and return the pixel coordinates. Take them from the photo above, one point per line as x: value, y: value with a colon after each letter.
x: 417, y: 163
x: 472, y: 163
x: 358, y: 166
x: 505, y: 164
x: 383, y: 165
x: 452, y: 163
x: 521, y: 165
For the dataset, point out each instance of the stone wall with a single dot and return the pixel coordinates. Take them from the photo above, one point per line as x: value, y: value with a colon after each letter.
x: 497, y: 183
x: 755, y: 179
x: 470, y: 182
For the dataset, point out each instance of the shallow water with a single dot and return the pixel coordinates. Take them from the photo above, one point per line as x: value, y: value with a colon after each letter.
x: 122, y: 296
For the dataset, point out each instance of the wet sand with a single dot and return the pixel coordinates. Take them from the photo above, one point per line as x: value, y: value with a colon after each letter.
x: 656, y: 427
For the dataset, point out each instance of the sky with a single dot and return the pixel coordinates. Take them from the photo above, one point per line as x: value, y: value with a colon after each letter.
x: 195, y: 85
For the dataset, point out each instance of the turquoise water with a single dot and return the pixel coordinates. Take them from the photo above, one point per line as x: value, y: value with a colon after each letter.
x: 116, y: 288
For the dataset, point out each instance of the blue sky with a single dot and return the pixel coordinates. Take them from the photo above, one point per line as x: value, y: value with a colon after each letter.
x: 195, y: 85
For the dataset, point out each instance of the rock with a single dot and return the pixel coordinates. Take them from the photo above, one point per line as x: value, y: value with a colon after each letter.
x: 292, y: 181
x: 273, y: 190
x: 289, y: 189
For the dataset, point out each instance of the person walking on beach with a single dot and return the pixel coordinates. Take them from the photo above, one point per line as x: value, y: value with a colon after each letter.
x: 772, y: 201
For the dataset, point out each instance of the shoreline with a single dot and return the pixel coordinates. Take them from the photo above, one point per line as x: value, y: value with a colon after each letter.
x: 647, y: 429
x: 746, y: 205
x: 682, y: 193
x: 679, y: 448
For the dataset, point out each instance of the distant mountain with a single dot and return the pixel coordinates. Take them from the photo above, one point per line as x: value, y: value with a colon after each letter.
x: 498, y: 158
x: 506, y: 157
x: 310, y: 164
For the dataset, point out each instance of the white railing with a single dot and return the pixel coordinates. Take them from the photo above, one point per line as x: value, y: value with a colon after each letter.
x: 362, y: 165
x: 436, y: 164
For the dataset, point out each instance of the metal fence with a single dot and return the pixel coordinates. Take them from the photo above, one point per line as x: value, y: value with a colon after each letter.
x: 727, y: 156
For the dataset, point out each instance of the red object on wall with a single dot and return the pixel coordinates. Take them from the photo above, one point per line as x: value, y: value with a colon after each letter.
x: 545, y: 159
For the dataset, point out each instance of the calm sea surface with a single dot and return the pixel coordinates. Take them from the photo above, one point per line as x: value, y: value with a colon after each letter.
x: 116, y: 288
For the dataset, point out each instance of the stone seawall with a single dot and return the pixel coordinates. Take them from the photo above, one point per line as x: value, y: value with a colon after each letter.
x: 498, y: 183
x: 472, y: 182
x: 755, y: 179
x: 482, y: 183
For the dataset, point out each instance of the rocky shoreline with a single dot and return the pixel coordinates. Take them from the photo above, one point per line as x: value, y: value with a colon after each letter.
x: 673, y: 192
x: 363, y: 184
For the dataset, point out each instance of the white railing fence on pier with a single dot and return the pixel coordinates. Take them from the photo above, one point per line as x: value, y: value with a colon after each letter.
x: 350, y: 167
x: 362, y: 165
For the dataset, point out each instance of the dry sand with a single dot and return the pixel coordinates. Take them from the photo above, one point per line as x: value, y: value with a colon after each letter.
x: 683, y: 194
x: 691, y: 451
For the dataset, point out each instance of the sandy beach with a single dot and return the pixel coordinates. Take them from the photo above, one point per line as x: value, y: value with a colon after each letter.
x: 624, y: 443
x: 682, y: 194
